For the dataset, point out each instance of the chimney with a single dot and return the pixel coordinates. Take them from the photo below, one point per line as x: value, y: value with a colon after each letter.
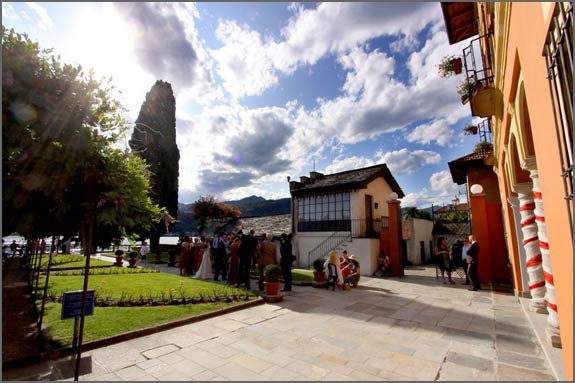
x: 315, y: 175
x: 304, y: 179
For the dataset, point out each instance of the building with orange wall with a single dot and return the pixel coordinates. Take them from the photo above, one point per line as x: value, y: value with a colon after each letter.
x: 519, y: 68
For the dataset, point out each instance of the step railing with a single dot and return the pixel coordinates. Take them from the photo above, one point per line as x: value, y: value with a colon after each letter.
x: 327, y: 245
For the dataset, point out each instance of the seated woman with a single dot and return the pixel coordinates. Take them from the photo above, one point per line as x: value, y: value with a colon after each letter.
x: 332, y: 258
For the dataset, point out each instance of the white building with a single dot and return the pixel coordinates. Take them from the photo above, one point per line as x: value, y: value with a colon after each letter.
x: 418, y: 238
x: 342, y: 210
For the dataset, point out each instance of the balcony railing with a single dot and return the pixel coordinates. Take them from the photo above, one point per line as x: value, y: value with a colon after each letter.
x: 359, y: 228
x: 477, y: 61
x: 484, y: 130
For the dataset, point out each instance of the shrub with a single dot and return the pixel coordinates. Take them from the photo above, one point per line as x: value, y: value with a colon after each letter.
x: 133, y: 254
x: 272, y: 273
x: 318, y: 264
x: 119, y: 252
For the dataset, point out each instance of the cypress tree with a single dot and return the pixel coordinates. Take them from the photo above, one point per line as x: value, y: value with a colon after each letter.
x: 154, y: 139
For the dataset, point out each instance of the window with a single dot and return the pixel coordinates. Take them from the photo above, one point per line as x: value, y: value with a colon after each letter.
x: 559, y: 58
x: 326, y: 212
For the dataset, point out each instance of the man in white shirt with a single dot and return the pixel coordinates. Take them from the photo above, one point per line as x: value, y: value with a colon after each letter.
x: 143, y: 251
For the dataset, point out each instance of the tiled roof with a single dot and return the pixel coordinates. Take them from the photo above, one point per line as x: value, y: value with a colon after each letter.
x: 351, y: 179
x: 458, y: 167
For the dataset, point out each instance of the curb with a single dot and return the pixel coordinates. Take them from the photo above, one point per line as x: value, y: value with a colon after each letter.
x: 150, y: 330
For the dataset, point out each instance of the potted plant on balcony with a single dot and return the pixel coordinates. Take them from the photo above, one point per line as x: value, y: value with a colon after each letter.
x: 466, y: 89
x: 119, y: 258
x: 483, y: 147
x: 450, y: 65
x: 470, y: 129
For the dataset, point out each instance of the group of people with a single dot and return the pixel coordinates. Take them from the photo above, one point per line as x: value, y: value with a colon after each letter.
x: 347, y: 269
x: 232, y: 257
x: 448, y: 258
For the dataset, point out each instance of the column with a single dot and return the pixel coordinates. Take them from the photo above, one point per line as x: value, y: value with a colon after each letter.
x: 553, y: 318
x: 395, y: 256
x: 524, y: 289
x: 531, y: 245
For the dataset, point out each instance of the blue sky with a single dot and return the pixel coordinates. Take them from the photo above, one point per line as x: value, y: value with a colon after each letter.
x: 267, y: 90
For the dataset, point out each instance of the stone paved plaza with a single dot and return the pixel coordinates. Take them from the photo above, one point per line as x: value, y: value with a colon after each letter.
x: 413, y: 328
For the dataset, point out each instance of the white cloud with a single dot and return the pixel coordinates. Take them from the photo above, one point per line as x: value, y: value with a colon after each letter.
x: 438, y: 131
x: 349, y: 163
x: 243, y: 62
x: 44, y: 20
x: 405, y: 161
x: 442, y: 183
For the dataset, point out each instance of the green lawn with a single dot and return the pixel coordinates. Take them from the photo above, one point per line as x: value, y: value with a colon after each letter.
x: 68, y: 260
x: 133, y: 299
x: 108, y: 321
x: 302, y: 275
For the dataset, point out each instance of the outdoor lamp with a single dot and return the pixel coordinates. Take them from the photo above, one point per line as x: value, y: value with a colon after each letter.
x: 476, y: 189
x: 393, y: 196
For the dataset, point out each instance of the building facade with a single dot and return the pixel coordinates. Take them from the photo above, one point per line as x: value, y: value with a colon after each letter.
x: 519, y: 64
x: 343, y: 210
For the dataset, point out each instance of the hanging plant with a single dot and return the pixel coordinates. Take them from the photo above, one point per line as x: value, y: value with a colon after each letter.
x: 483, y: 147
x: 449, y: 66
x: 470, y: 129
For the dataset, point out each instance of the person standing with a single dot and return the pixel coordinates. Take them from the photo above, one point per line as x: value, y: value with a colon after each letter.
x: 234, y: 261
x: 143, y: 251
x: 443, y: 261
x: 466, y: 259
x: 473, y: 271
x: 245, y: 252
x: 219, y: 254
x: 205, y: 269
x: 13, y: 248
x: 286, y: 260
x: 184, y: 256
x: 268, y: 256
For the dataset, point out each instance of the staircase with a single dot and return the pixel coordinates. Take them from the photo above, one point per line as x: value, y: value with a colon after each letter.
x: 335, y: 241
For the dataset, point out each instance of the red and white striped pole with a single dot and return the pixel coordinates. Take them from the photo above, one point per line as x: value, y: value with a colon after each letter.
x: 553, y: 318
x: 531, y: 245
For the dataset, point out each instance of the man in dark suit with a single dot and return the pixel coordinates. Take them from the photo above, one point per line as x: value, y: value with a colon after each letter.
x: 473, y: 254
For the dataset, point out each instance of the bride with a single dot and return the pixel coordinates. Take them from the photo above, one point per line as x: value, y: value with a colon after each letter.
x: 205, y: 270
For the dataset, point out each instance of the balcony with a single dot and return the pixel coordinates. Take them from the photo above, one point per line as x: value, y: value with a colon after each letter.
x: 478, y: 87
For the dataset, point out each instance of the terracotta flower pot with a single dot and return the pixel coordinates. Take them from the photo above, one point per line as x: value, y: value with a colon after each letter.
x: 271, y: 288
x: 119, y: 260
x: 457, y: 65
x: 132, y: 262
x: 319, y: 276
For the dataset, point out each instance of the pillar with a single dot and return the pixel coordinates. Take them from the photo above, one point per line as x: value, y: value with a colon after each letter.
x: 395, y: 230
x: 531, y: 244
x: 524, y: 288
x: 553, y: 318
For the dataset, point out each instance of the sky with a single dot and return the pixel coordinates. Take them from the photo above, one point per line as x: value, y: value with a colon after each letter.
x: 270, y: 90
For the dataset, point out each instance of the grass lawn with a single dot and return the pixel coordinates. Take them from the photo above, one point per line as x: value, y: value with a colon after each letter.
x: 301, y: 275
x: 130, y: 300
x: 68, y: 260
x: 108, y: 321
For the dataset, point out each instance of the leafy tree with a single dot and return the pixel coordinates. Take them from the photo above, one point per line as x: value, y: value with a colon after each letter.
x: 207, y: 208
x: 455, y: 216
x: 154, y: 139
x: 59, y: 170
x: 54, y: 117
x: 413, y: 212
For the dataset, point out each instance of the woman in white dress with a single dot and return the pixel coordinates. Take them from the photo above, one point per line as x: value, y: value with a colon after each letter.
x: 332, y: 258
x: 205, y: 270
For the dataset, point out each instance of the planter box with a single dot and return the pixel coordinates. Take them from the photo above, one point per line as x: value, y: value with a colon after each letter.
x: 483, y: 103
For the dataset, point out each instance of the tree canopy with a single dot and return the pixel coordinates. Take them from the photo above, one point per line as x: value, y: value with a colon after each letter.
x: 207, y: 208
x: 58, y: 127
x: 154, y: 140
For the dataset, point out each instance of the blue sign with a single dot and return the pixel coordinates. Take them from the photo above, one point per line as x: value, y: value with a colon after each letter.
x: 72, y: 304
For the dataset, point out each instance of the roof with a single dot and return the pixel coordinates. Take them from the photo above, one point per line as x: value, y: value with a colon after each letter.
x: 458, y: 167
x: 348, y: 180
x: 459, y: 20
x: 447, y: 209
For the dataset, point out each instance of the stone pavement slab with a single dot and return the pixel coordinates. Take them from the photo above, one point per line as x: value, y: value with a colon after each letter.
x: 386, y: 329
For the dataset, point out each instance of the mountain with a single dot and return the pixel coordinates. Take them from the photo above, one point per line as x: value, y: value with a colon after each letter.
x: 253, y: 206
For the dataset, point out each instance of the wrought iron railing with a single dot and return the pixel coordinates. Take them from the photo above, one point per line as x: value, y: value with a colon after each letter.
x: 484, y: 130
x: 477, y: 61
x: 359, y: 228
